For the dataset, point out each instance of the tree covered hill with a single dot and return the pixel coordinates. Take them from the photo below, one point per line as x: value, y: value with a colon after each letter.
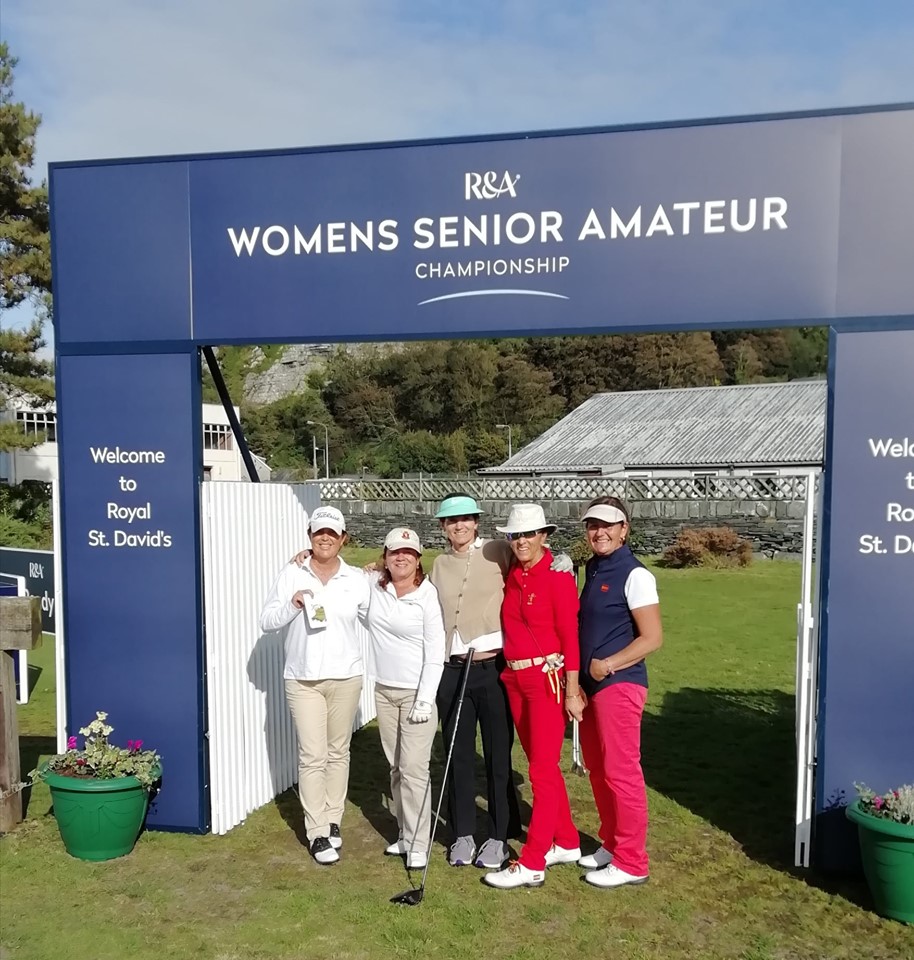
x: 444, y: 406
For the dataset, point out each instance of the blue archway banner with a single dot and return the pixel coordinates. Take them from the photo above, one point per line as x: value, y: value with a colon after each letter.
x: 743, y: 223
x: 775, y: 221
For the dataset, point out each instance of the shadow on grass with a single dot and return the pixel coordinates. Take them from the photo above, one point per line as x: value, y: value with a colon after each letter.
x: 31, y: 750
x: 33, y: 674
x: 369, y: 790
x: 729, y: 756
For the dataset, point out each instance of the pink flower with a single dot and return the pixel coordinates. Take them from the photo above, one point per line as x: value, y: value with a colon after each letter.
x: 71, y: 743
x: 877, y: 802
x: 80, y: 762
x: 134, y: 745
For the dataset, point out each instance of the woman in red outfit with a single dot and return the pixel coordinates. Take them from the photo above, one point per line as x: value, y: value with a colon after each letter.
x: 540, y: 623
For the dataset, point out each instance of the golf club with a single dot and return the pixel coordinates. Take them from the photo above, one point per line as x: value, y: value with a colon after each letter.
x: 412, y: 898
x: 577, y: 763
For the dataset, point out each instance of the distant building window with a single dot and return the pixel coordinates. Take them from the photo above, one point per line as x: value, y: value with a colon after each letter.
x: 217, y: 436
x: 33, y: 422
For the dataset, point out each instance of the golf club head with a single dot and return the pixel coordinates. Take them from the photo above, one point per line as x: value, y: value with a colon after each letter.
x: 409, y: 898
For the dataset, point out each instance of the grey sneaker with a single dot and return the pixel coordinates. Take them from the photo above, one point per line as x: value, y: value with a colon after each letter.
x: 461, y: 852
x: 492, y: 855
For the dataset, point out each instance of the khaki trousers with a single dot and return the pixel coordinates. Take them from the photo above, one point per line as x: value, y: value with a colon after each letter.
x: 323, y: 712
x: 407, y: 747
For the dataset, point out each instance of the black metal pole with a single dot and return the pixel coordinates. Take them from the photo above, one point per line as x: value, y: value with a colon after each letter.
x: 222, y: 390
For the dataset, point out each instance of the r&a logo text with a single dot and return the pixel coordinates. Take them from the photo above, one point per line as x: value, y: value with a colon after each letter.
x: 489, y: 185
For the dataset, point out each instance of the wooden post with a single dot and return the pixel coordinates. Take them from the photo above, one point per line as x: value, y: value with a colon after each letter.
x: 20, y: 629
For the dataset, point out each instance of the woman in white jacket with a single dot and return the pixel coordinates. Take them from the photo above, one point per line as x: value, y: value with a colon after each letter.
x: 407, y: 632
x: 321, y: 602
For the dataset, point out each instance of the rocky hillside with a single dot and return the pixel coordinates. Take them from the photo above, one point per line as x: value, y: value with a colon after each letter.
x: 267, y: 382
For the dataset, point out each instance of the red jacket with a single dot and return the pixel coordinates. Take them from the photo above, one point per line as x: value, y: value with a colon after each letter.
x: 540, y: 613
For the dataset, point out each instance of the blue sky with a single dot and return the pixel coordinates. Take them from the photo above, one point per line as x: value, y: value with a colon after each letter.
x: 117, y: 78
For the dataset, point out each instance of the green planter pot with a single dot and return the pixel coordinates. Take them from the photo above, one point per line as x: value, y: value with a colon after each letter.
x: 97, y: 819
x: 887, y: 850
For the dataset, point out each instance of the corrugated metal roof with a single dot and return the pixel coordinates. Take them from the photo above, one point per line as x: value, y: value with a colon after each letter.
x: 753, y: 425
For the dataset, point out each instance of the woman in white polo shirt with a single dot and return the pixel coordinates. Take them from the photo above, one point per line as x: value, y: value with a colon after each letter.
x: 407, y: 633
x: 321, y: 602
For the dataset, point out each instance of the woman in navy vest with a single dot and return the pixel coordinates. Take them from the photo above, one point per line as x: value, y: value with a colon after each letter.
x: 619, y: 626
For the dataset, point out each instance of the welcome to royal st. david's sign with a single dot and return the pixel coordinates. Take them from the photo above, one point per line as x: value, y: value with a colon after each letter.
x: 771, y: 221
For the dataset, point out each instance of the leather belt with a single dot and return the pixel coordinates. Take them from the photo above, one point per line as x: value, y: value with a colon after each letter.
x: 524, y: 664
x: 457, y: 661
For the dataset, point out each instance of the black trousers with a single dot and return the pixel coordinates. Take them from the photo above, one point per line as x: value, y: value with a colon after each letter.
x: 485, y: 704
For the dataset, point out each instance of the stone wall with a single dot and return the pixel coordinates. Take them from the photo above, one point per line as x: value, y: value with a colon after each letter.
x: 773, y: 527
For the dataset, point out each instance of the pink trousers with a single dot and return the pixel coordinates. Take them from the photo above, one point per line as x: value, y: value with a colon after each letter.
x: 541, y: 724
x: 611, y: 743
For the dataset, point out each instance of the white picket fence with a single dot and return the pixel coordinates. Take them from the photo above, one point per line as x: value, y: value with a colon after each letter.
x: 249, y: 531
x: 686, y: 486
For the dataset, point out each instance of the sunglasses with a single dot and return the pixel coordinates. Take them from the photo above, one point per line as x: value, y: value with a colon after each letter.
x: 526, y: 535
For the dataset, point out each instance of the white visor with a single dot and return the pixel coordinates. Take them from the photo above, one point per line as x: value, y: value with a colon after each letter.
x: 606, y: 513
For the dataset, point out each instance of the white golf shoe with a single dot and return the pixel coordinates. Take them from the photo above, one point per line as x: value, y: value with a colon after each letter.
x: 556, y: 854
x: 594, y: 861
x: 612, y: 876
x: 336, y: 839
x: 396, y: 849
x: 416, y: 860
x: 515, y: 875
x: 322, y: 851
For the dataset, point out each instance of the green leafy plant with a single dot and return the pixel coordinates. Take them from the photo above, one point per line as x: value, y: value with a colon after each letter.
x: 897, y: 805
x: 99, y: 759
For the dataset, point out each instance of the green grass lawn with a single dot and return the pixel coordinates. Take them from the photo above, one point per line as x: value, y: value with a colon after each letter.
x: 719, y: 759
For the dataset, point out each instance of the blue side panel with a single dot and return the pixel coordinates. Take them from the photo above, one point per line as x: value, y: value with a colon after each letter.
x: 121, y: 253
x: 866, y: 697
x: 876, y: 256
x: 131, y: 539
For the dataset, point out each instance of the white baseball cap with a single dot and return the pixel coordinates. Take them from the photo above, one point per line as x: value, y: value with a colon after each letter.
x: 401, y: 537
x: 329, y: 518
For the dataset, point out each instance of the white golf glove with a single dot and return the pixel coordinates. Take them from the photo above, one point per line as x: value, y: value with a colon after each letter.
x: 421, y: 712
x: 561, y: 563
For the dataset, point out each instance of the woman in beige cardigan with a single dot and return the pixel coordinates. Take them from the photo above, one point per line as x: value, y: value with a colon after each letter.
x: 470, y: 579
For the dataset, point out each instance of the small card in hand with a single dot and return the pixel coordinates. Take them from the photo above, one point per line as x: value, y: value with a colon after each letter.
x: 316, y: 613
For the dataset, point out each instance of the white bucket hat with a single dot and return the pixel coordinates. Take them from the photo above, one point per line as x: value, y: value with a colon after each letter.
x: 401, y: 537
x: 525, y: 517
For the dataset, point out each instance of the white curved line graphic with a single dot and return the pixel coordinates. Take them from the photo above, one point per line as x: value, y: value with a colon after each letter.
x: 490, y: 293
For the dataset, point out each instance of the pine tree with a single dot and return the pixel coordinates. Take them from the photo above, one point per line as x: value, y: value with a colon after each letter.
x: 25, y: 261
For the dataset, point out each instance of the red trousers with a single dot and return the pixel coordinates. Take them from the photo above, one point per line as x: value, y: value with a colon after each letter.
x: 611, y: 743
x: 541, y: 723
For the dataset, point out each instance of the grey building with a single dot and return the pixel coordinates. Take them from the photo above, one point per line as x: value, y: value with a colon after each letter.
x: 764, y: 429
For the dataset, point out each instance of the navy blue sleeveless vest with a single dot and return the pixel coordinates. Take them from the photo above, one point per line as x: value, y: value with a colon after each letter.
x: 606, y: 623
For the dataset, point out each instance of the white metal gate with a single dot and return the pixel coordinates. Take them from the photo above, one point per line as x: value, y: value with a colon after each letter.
x: 249, y: 531
x: 806, y: 678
